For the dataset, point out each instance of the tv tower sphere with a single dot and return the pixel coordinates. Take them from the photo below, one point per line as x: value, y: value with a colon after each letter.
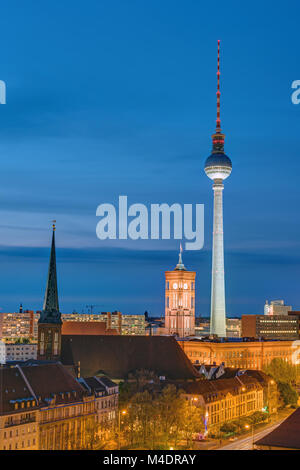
x: 218, y: 166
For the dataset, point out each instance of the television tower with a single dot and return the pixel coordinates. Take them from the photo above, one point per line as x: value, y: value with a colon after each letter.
x: 218, y: 167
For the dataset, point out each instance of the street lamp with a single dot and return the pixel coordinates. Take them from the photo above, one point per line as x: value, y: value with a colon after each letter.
x: 247, y: 426
x: 123, y: 412
x: 206, y: 423
x: 243, y: 389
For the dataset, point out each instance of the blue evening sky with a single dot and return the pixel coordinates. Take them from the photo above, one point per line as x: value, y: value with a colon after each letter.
x: 115, y: 97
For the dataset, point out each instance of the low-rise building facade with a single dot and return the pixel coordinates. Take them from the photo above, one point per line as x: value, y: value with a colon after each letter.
x: 224, y: 400
x: 270, y: 391
x: 243, y: 354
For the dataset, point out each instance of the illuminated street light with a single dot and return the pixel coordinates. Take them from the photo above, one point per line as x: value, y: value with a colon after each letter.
x: 123, y: 412
x: 247, y: 426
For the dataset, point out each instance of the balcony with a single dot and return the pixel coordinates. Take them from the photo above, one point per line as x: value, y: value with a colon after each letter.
x: 19, y: 421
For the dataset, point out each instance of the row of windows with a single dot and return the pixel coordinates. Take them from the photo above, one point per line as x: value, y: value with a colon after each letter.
x: 23, y: 445
x: 237, y: 354
x: 181, y: 285
x: 106, y: 404
x: 217, y: 414
x: 18, y: 432
x: 66, y: 411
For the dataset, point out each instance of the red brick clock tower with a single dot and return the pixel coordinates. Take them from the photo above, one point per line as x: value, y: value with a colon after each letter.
x: 180, y: 300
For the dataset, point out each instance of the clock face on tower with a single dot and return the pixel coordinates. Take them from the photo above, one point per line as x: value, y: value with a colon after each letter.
x: 185, y: 286
x: 175, y: 285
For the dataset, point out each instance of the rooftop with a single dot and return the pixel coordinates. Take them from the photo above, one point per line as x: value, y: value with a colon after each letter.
x: 40, y: 383
x: 211, y: 389
x: 86, y: 328
x: 286, y: 435
x: 118, y: 356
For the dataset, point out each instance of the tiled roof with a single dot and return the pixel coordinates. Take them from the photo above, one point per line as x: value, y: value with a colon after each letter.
x: 41, y: 382
x: 93, y: 383
x: 107, y: 382
x: 53, y: 379
x: 286, y: 435
x: 212, y: 389
x: 12, y: 387
x: 230, y: 373
x: 86, y: 328
x: 261, y: 376
x: 117, y: 356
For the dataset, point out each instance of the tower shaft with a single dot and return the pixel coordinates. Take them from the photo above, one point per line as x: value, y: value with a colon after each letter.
x: 218, y: 313
x: 49, y: 324
x: 218, y: 167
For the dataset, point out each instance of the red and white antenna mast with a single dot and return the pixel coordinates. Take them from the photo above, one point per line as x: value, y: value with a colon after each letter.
x: 218, y: 137
x: 218, y: 127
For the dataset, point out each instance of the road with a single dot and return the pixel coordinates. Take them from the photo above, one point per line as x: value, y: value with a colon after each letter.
x: 245, y: 443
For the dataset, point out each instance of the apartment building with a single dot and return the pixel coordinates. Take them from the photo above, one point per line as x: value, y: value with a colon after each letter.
x: 17, y: 351
x: 44, y: 407
x: 22, y: 324
x: 123, y: 324
x: 133, y: 325
x: 106, y: 397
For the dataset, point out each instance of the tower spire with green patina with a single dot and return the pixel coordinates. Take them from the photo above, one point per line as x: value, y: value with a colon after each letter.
x: 50, y: 313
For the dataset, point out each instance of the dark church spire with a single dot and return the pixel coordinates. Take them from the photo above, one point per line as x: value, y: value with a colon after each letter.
x: 50, y: 313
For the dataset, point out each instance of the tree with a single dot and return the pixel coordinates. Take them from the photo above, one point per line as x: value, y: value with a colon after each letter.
x: 137, y: 381
x: 91, y: 437
x: 21, y: 340
x: 136, y: 424
x: 169, y: 408
x: 191, y: 421
x: 142, y: 378
x: 285, y: 375
x: 281, y: 371
x: 288, y: 394
x: 228, y: 428
x: 258, y: 417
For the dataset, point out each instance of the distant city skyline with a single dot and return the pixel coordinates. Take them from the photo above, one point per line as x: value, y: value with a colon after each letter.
x: 125, y: 104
